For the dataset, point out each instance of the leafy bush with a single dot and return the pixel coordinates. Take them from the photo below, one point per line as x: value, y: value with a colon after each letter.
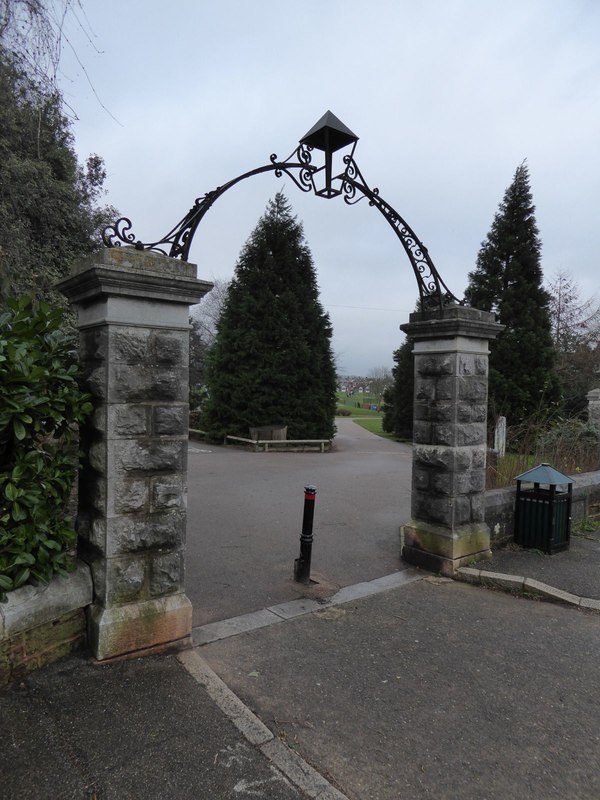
x: 41, y: 406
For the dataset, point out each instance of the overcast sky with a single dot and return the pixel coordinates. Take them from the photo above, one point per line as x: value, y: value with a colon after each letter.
x: 447, y: 99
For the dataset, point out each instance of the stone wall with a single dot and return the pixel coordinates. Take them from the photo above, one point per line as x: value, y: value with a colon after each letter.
x: 40, y: 624
x: 500, y: 506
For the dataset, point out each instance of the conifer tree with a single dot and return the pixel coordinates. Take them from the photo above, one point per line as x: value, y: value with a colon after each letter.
x: 508, y: 281
x: 271, y: 362
x: 398, y: 399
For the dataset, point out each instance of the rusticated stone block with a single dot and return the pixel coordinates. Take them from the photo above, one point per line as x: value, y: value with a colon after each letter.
x: 139, y: 384
x: 481, y: 366
x: 96, y: 457
x: 447, y: 510
x: 470, y: 364
x: 93, y: 344
x: 166, y: 574
x: 448, y: 458
x: 470, y: 434
x: 435, y: 365
x: 125, y: 580
x: 478, y: 457
x: 441, y: 412
x: 95, y: 492
x: 167, y: 492
x: 171, y: 420
x: 424, y: 390
x: 117, y: 580
x: 168, y: 385
x: 98, y: 418
x: 443, y: 482
x: 435, y: 509
x: 464, y: 412
x: 479, y: 412
x: 422, y: 432
x: 140, y: 532
x: 462, y: 510
x: 473, y: 390
x: 478, y: 507
x: 129, y: 384
x: 95, y: 381
x: 130, y: 495
x: 444, y: 434
x: 477, y: 481
x: 171, y: 348
x: 445, y: 389
x: 466, y: 364
x: 420, y: 479
x: 130, y: 345
x: 127, y: 420
x: 147, y: 456
x: 422, y: 411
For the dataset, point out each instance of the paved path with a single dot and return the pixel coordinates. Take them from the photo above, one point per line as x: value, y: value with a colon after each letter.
x: 245, y: 516
x: 434, y: 689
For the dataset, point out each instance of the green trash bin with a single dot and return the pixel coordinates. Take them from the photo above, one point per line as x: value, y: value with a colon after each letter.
x: 543, y: 512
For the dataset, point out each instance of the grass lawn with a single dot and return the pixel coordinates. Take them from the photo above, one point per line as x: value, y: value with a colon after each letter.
x: 360, y: 412
x: 374, y: 425
x: 349, y: 404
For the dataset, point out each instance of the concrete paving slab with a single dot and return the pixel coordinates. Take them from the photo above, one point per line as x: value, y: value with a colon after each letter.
x: 234, y: 626
x: 432, y: 690
x: 296, y: 608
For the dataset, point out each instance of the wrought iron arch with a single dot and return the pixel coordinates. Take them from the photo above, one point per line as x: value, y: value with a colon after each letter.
x: 329, y: 135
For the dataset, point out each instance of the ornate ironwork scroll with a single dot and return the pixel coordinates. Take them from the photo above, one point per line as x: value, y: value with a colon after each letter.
x: 433, y: 292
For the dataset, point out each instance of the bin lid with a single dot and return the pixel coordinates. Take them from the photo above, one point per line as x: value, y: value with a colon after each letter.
x: 544, y: 473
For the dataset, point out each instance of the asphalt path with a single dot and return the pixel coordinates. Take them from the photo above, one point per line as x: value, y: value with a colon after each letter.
x: 245, y: 518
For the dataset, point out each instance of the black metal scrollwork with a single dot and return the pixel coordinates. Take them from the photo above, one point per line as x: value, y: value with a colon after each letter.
x: 300, y: 169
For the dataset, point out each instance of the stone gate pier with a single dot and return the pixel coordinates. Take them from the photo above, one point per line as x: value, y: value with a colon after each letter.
x: 132, y: 311
x: 447, y: 527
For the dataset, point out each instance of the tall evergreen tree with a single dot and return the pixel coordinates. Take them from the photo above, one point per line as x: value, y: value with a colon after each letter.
x: 508, y: 281
x: 398, y: 399
x: 48, y: 215
x: 271, y: 362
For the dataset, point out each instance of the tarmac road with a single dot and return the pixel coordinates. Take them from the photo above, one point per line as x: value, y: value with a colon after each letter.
x: 245, y: 517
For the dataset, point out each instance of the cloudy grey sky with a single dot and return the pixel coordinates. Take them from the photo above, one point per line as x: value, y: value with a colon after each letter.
x: 447, y: 97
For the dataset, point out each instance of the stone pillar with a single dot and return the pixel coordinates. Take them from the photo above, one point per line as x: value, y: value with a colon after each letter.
x: 134, y: 346
x: 448, y: 529
x: 593, y: 398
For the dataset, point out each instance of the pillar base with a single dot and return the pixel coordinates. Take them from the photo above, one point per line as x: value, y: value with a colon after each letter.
x: 442, y: 550
x: 137, y: 628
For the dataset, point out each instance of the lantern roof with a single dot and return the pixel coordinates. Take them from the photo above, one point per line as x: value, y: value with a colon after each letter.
x: 329, y: 134
x: 546, y: 474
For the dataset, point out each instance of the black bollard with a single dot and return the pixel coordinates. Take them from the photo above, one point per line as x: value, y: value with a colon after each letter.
x: 302, y: 564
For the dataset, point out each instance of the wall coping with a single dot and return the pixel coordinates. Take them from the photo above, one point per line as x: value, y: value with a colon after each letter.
x: 31, y: 606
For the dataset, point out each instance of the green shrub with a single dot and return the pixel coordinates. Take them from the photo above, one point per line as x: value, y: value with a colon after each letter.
x: 41, y: 406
